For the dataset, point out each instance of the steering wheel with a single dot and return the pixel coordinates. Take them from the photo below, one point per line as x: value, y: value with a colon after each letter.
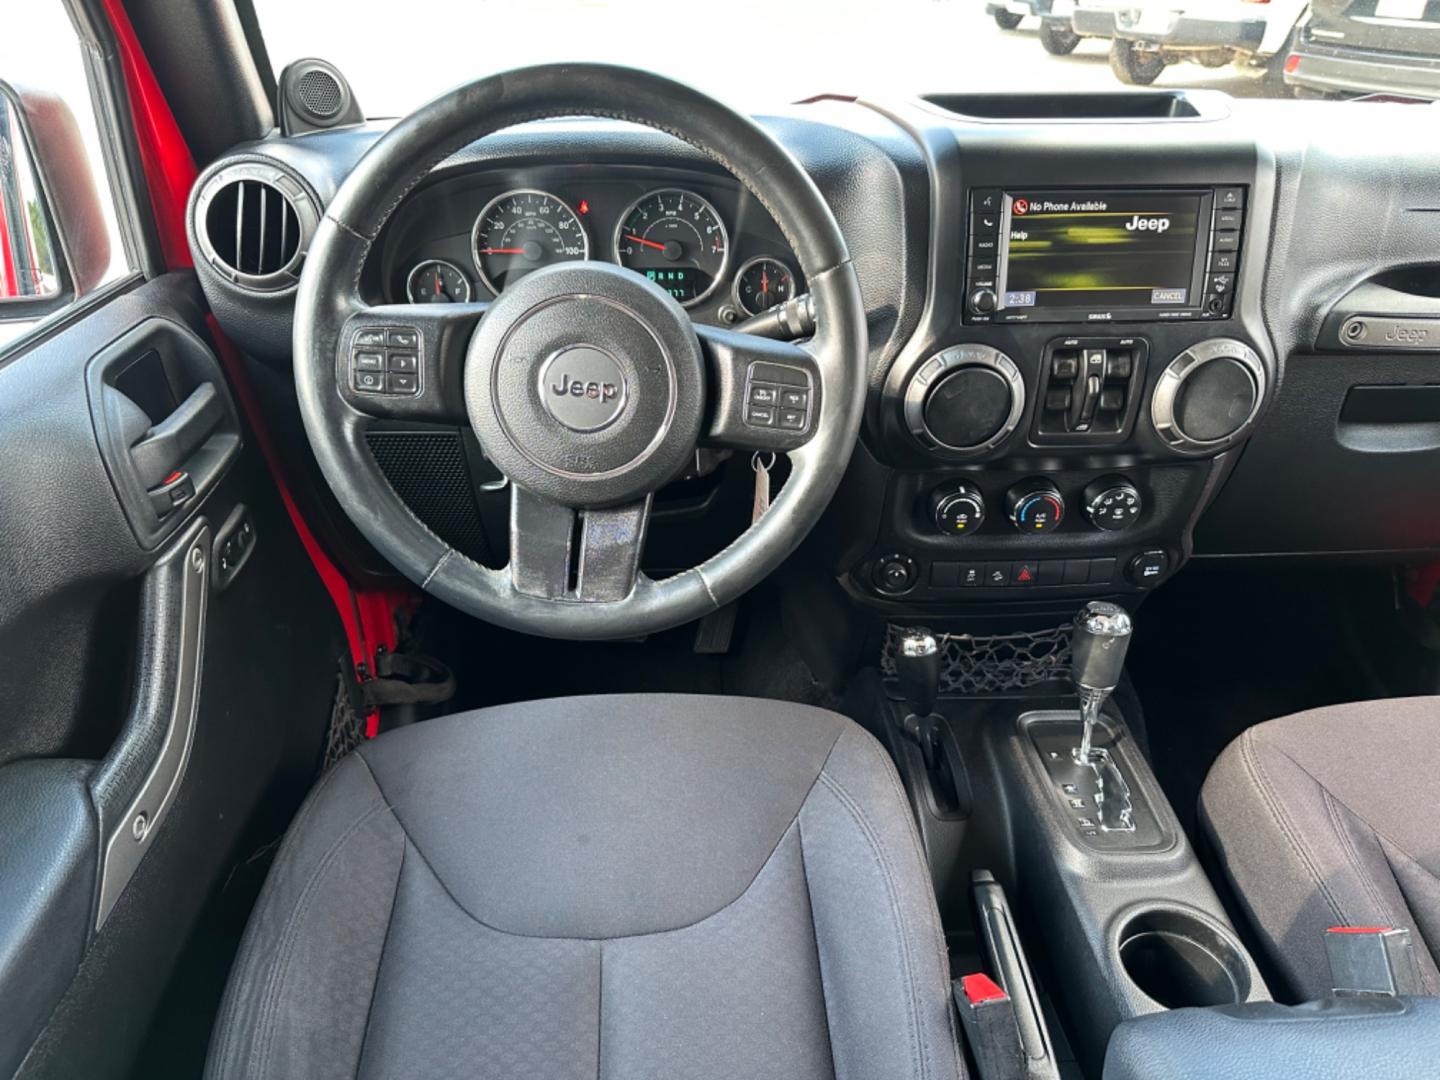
x: 586, y: 385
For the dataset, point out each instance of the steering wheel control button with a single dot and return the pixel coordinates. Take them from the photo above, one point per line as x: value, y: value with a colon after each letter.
x: 957, y: 510
x: 375, y: 350
x: 1035, y: 506
x: 964, y: 401
x: 1208, y: 397
x: 894, y: 574
x: 1112, y: 503
x: 1148, y: 568
x: 777, y: 396
x: 583, y: 387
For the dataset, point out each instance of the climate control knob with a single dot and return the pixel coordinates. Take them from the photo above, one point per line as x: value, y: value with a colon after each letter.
x: 1112, y: 503
x: 957, y: 510
x: 1035, y: 506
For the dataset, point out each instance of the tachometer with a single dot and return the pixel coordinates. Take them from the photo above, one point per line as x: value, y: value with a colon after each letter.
x: 521, y: 231
x: 677, y: 240
x: 436, y: 281
x: 762, y: 283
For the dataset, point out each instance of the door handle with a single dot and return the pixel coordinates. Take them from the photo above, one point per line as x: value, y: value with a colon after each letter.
x: 163, y: 449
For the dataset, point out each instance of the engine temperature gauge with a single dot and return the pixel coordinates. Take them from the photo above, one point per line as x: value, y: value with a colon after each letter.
x: 762, y: 283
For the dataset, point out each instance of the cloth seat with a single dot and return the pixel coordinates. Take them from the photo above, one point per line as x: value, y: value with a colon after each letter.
x: 1332, y: 818
x: 634, y: 887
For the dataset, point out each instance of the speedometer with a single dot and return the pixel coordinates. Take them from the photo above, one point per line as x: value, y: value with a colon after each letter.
x: 677, y: 240
x: 521, y: 231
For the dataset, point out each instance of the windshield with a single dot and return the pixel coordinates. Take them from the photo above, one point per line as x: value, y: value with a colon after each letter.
x: 758, y: 54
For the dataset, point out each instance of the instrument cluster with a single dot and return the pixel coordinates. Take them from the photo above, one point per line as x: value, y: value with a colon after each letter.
x: 701, y: 238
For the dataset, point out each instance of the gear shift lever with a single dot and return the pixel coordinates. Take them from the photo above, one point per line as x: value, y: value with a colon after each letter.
x: 1101, y: 639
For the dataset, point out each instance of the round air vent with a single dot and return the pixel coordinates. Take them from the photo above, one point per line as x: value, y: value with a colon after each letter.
x: 253, y: 221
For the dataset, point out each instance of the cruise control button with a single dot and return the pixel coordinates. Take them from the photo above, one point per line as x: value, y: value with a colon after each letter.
x: 760, y: 416
x: 761, y: 394
x: 369, y: 382
x: 400, y: 382
x: 795, y: 399
x: 792, y: 419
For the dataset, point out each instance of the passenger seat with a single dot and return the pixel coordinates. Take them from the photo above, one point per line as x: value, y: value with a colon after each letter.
x: 1332, y: 818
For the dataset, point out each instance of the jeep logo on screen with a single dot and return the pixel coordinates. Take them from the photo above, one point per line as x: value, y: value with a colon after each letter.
x: 583, y: 388
x: 1147, y: 224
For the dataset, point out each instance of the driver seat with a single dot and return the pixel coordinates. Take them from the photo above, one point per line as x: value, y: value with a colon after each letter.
x: 648, y: 887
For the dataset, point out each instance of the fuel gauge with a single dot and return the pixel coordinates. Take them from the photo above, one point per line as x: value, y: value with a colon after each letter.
x: 436, y: 281
x: 762, y: 283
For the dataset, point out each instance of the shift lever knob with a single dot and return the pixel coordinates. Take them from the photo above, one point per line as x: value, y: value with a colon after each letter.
x: 917, y: 666
x: 1097, y: 659
x: 1098, y: 647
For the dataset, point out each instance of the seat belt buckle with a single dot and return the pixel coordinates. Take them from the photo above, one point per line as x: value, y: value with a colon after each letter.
x: 1372, y: 961
x: 988, y: 1016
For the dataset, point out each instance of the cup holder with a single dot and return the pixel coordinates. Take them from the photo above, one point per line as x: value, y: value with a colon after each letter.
x: 1178, y: 960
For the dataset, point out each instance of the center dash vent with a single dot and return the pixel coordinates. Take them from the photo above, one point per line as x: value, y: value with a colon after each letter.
x: 252, y: 222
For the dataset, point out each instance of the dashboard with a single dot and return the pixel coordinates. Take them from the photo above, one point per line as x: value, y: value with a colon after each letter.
x: 698, y: 235
x: 1108, y: 334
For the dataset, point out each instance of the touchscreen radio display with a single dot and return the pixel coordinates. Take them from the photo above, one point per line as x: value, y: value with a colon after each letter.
x: 1097, y: 250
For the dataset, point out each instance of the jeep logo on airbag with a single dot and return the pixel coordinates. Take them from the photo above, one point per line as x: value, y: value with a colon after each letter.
x: 583, y: 387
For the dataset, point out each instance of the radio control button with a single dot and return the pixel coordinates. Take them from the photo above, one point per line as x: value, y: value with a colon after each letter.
x: 985, y: 199
x: 1220, y: 284
x: 1230, y: 198
x: 984, y: 245
x: 983, y: 301
x: 982, y: 268
x: 1226, y: 241
x: 1223, y: 262
x: 1227, y: 219
x: 985, y: 223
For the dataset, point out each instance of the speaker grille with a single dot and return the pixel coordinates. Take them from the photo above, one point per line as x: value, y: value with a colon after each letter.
x: 429, y: 472
x: 319, y: 94
x: 253, y: 228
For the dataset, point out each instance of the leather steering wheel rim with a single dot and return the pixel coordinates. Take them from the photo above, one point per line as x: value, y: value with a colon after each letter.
x: 329, y: 300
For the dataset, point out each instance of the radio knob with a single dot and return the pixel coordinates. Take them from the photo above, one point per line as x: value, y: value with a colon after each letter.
x: 1035, y: 506
x: 983, y: 301
x: 957, y: 510
x: 1112, y: 503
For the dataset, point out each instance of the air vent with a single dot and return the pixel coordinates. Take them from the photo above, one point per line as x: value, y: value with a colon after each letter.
x: 253, y: 222
x: 252, y: 227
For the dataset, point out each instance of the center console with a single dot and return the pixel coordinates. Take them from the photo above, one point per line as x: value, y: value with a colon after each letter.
x: 1090, y: 357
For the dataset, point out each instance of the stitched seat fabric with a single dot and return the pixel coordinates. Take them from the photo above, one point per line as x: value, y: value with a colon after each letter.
x: 1332, y: 818
x: 650, y: 887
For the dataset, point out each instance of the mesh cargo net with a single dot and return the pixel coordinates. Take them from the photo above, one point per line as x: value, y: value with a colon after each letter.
x: 997, y: 663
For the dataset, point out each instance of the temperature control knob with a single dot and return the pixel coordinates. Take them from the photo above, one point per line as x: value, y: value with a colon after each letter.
x: 1112, y: 503
x: 957, y: 510
x: 1035, y: 506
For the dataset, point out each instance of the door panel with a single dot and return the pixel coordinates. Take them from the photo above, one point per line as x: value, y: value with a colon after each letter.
x: 170, y: 668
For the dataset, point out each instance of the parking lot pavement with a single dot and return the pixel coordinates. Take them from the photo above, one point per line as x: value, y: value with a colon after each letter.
x: 755, y: 54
